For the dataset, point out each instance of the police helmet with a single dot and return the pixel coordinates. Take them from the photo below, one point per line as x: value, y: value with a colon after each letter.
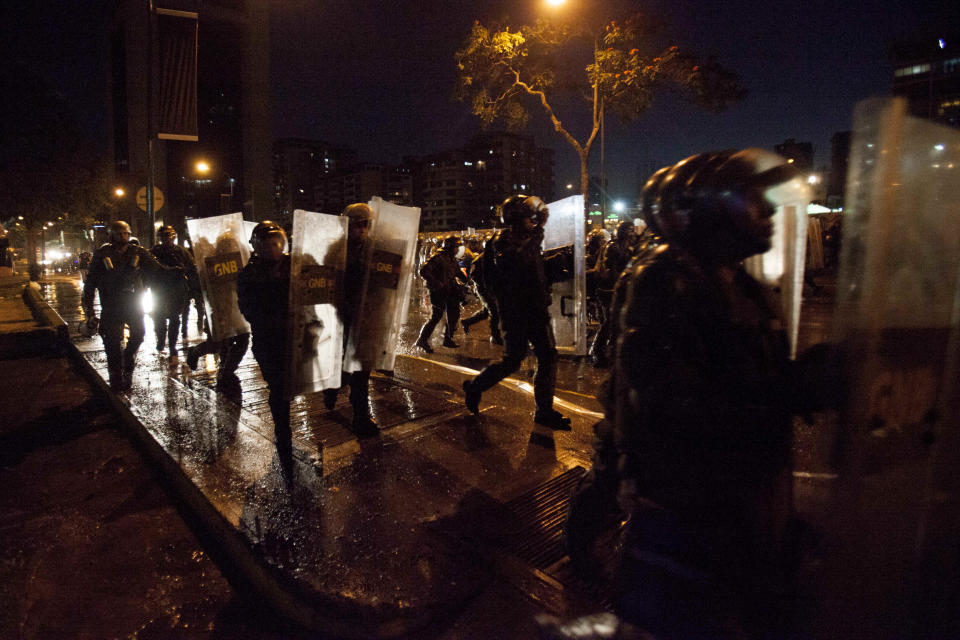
x: 691, y: 201
x: 226, y: 242
x: 263, y: 231
x: 520, y: 207
x: 451, y: 243
x: 358, y: 212
x: 165, y: 232
x: 116, y: 228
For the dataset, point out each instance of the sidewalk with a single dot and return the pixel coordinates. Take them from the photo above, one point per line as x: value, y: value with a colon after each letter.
x: 368, y: 538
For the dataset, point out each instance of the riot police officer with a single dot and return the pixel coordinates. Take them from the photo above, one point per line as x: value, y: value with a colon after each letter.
x: 515, y: 270
x: 170, y: 292
x: 445, y: 281
x: 489, y: 307
x: 359, y: 216
x: 263, y: 288
x: 613, y: 259
x: 116, y: 271
x: 223, y: 308
x: 700, y: 398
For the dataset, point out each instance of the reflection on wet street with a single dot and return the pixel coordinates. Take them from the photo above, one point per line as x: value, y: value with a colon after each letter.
x: 372, y: 530
x: 382, y: 532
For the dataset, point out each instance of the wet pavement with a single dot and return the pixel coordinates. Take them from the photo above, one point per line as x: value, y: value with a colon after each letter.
x: 379, y: 536
x: 371, y: 536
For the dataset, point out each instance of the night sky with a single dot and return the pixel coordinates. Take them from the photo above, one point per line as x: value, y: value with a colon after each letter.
x: 378, y: 76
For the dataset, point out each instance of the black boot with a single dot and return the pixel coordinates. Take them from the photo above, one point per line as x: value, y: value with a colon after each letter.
x: 471, y: 397
x: 553, y: 419
x: 364, y: 426
x: 193, y: 357
x: 330, y: 398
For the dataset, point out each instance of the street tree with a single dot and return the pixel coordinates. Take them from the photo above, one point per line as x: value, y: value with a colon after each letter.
x: 49, y: 170
x: 616, y: 66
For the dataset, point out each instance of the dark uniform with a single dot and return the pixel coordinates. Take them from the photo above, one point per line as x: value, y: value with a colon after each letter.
x: 515, y: 270
x: 119, y: 278
x: 171, y: 293
x: 444, y: 280
x: 700, y: 400
x: 359, y: 215
x: 611, y: 262
x: 487, y: 299
x: 263, y: 289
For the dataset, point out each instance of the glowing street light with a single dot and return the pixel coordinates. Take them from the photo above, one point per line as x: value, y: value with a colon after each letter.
x: 119, y: 192
x: 556, y: 3
x: 619, y: 206
x: 202, y: 167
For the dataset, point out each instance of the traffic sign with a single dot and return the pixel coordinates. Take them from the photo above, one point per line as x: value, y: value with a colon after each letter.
x: 157, y: 199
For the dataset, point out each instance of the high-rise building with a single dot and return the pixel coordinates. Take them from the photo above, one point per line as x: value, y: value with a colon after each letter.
x: 299, y: 169
x: 839, y: 157
x: 508, y: 163
x: 233, y: 112
x: 927, y: 73
x: 359, y: 183
x: 462, y: 187
x: 445, y: 187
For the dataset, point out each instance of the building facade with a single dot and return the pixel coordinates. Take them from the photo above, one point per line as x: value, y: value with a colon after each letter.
x: 460, y: 188
x: 359, y: 183
x: 927, y: 73
x: 299, y: 169
x: 233, y: 115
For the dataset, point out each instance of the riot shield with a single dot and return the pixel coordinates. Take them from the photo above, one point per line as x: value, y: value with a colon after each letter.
x: 220, y: 250
x: 565, y: 227
x: 318, y: 255
x: 897, y: 509
x: 783, y: 265
x: 390, y: 253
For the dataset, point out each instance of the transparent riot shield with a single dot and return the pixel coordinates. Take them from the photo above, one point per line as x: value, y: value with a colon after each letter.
x: 566, y: 228
x: 220, y: 250
x: 783, y: 265
x: 390, y: 254
x: 318, y: 256
x: 897, y: 510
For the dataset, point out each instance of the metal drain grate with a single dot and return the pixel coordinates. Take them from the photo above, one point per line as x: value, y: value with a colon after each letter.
x: 539, y: 514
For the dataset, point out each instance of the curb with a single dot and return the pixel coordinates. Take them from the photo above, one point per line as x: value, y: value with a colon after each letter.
x: 51, y: 337
x: 308, y: 611
x: 45, y: 314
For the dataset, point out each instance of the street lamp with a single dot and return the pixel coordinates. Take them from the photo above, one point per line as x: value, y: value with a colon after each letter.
x: 203, y: 168
x: 119, y: 192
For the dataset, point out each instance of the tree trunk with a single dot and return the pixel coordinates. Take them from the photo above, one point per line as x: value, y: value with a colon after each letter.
x: 585, y: 183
